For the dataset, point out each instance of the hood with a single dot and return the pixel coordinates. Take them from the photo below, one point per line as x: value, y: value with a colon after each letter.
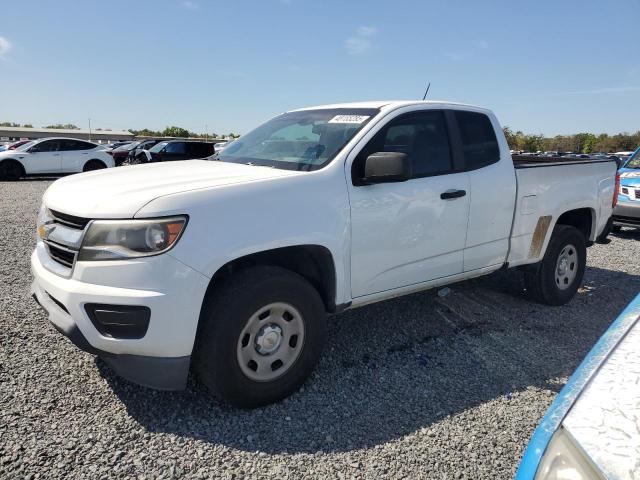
x: 120, y: 192
x: 630, y: 177
x: 9, y: 153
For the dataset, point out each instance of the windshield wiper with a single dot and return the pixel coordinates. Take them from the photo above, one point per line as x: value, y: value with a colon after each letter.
x: 256, y: 165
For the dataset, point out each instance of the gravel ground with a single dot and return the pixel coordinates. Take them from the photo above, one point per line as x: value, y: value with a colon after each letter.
x: 422, y: 386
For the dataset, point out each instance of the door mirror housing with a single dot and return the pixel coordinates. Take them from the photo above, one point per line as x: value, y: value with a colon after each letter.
x: 387, y: 167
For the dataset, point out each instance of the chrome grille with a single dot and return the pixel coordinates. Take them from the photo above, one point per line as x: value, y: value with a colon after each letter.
x: 69, y: 220
x: 60, y: 254
x: 63, y: 241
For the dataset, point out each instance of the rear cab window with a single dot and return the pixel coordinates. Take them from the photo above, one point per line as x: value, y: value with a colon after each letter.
x: 478, y: 138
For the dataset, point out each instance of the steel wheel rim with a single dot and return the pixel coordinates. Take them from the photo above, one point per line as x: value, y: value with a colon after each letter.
x: 270, y: 342
x: 566, y: 267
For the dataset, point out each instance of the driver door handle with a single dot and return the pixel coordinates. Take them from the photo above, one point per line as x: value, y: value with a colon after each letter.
x: 452, y: 194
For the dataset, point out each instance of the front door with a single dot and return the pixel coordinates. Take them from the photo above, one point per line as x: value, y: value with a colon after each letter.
x: 410, y: 232
x: 44, y: 157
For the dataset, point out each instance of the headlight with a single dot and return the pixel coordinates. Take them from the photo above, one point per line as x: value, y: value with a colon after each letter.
x: 564, y: 460
x: 122, y: 239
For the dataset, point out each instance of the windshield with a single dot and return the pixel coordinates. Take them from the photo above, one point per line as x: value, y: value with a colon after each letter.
x: 158, y: 146
x: 634, y: 161
x: 303, y: 140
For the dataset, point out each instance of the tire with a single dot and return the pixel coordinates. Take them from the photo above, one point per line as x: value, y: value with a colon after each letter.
x: 92, y: 165
x: 11, y: 170
x: 252, y: 316
x: 616, y: 228
x: 553, y: 281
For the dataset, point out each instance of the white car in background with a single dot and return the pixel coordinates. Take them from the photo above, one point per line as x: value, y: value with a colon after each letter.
x: 53, y: 156
x: 218, y: 147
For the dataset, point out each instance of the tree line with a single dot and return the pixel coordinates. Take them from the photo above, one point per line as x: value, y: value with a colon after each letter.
x: 577, y: 143
x: 178, y: 132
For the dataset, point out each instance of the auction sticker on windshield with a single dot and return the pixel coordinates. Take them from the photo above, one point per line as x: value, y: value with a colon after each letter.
x: 349, y: 119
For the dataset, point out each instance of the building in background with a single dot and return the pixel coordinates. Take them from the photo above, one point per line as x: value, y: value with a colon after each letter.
x: 9, y: 134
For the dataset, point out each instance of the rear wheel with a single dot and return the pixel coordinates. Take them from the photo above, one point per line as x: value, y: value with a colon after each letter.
x: 11, y: 170
x: 261, y: 334
x: 93, y: 165
x: 555, y: 280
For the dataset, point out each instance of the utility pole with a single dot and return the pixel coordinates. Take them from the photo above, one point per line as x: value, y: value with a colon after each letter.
x: 89, y: 129
x: 206, y: 133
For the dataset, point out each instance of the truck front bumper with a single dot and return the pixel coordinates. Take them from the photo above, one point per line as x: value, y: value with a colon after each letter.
x: 627, y: 212
x: 160, y: 357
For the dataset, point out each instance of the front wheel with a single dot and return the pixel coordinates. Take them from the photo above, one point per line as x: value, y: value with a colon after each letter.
x: 11, y: 170
x: 555, y: 280
x: 260, y: 336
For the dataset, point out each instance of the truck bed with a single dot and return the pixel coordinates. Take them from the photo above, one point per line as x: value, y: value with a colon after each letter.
x: 544, y: 193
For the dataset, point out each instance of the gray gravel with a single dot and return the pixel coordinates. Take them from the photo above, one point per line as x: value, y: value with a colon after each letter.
x: 422, y: 386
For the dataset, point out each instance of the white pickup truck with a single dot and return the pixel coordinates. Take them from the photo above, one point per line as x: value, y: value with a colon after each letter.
x: 228, y: 266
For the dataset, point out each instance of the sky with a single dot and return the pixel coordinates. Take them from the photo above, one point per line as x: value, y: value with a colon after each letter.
x: 549, y: 66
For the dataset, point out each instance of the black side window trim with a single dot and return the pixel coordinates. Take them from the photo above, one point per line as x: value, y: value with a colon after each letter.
x: 453, y: 137
x: 458, y: 142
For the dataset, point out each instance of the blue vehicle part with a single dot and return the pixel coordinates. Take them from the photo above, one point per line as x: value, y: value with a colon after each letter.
x: 578, y: 381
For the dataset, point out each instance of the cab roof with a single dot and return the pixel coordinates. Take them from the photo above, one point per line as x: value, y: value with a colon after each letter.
x: 390, y: 105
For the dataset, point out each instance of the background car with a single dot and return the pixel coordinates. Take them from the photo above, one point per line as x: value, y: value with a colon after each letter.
x: 627, y: 212
x: 592, y: 429
x: 218, y: 147
x: 14, y: 145
x: 179, y: 150
x: 121, y: 153
x: 114, y: 145
x: 136, y: 155
x: 53, y: 156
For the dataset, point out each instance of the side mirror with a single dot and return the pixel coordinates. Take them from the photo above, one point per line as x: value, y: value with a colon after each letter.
x: 386, y: 167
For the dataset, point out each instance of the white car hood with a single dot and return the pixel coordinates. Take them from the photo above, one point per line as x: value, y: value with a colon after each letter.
x: 120, y: 192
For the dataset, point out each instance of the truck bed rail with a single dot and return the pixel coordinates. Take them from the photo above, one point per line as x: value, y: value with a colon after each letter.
x: 530, y: 161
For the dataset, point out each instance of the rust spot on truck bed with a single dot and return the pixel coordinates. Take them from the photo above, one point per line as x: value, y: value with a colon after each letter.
x: 539, y: 234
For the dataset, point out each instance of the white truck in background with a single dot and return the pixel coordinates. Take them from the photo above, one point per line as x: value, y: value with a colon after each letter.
x: 228, y: 266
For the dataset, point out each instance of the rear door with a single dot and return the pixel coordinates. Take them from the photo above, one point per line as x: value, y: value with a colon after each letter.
x: 492, y: 190
x: 175, y: 151
x: 75, y: 153
x: 44, y: 157
x: 200, y: 150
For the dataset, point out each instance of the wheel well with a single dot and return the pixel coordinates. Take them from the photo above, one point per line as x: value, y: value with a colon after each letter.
x: 94, y: 160
x: 312, y: 262
x: 582, y: 219
x: 13, y: 160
